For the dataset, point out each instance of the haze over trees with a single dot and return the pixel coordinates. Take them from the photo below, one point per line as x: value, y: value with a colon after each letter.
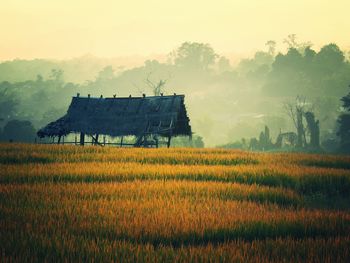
x: 344, y: 125
x: 226, y: 103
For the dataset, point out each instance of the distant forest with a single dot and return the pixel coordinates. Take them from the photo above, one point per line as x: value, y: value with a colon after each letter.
x: 228, y: 105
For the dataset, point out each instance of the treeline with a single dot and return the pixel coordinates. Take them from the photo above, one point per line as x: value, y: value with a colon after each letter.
x: 225, y: 103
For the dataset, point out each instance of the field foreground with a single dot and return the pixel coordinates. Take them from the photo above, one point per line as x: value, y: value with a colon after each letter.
x: 71, y: 203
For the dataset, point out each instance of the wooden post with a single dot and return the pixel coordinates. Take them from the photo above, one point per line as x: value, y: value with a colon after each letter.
x: 94, y: 140
x: 75, y: 139
x: 170, y: 127
x: 157, y: 140
x: 82, y: 138
x: 169, y: 139
x: 121, y: 141
x: 59, y: 139
x: 104, y: 140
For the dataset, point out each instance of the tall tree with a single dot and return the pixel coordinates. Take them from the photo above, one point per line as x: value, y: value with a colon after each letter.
x: 313, y: 129
x: 271, y: 45
x: 195, y: 56
x: 8, y: 101
x: 344, y: 125
x: 19, y: 131
x: 330, y: 58
x: 292, y: 42
x: 296, y: 111
x: 224, y: 64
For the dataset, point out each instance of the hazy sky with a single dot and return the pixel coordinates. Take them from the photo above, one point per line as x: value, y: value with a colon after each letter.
x: 71, y: 28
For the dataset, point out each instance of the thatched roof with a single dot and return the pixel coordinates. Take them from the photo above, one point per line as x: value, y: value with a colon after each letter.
x: 162, y: 115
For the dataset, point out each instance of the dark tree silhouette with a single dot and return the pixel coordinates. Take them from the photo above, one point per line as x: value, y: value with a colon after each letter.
x: 344, y: 125
x: 19, y: 131
x: 313, y: 128
x: 8, y: 102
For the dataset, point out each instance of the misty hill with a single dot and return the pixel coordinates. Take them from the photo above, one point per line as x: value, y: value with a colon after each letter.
x: 77, y: 70
x: 225, y: 103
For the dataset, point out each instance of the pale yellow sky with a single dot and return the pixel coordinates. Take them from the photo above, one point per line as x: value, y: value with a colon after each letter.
x: 106, y: 28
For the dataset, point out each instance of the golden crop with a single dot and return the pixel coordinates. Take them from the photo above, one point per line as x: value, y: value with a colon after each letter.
x: 70, y: 203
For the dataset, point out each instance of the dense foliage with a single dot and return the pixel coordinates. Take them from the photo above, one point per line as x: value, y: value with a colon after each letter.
x: 225, y: 103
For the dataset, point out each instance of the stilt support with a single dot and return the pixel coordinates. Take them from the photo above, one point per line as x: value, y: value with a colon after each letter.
x: 82, y: 138
x: 169, y: 140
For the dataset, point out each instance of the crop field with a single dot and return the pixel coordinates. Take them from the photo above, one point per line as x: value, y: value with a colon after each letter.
x: 72, y: 203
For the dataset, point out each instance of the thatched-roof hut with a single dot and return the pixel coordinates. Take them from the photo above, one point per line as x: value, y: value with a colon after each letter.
x: 147, y: 118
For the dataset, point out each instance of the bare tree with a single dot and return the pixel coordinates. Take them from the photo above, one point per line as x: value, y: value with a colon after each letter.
x: 271, y: 45
x: 292, y: 42
x: 157, y: 87
x: 296, y: 111
x: 290, y: 111
x: 300, y: 111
